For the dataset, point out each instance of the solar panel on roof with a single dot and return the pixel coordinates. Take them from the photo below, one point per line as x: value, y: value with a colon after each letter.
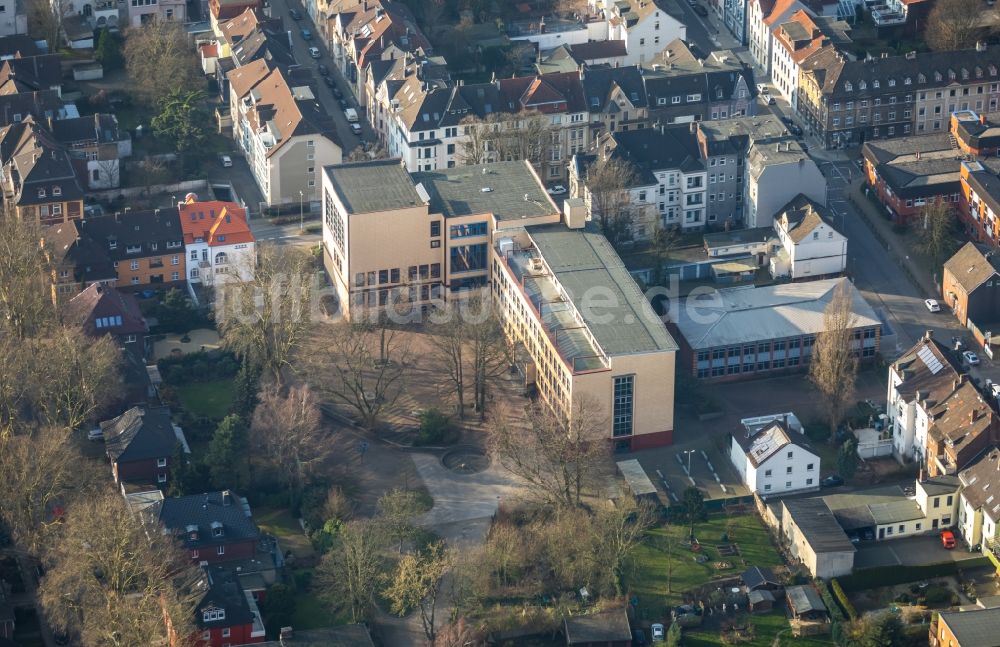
x: 930, y: 360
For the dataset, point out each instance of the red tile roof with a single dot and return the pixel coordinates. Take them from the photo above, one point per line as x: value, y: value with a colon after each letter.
x: 214, y: 222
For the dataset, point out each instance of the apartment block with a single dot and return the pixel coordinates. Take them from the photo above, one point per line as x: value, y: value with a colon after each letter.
x: 848, y: 102
x: 763, y: 16
x: 979, y: 201
x: 441, y: 225
x: 622, y: 360
x: 794, y: 41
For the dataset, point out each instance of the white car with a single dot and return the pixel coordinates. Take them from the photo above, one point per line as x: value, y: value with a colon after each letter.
x: 761, y: 88
x: 226, y: 160
x: 932, y: 305
x: 657, y: 633
x: 95, y: 434
x: 356, y: 129
x: 314, y: 52
x: 970, y: 358
x: 557, y: 189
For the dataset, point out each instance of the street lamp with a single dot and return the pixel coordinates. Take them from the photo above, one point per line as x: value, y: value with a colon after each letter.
x: 301, y: 226
x: 689, y: 452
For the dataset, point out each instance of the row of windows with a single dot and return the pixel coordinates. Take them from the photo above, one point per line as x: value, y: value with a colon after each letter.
x: 788, y: 484
x: 391, y: 276
x: 788, y: 470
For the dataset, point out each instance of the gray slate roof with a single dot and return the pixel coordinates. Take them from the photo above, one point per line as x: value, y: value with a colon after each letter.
x: 202, y: 510
x: 818, y: 525
x: 140, y: 434
x: 804, y: 598
x: 973, y: 628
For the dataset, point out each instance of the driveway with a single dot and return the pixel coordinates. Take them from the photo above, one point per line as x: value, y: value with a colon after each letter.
x: 910, y: 551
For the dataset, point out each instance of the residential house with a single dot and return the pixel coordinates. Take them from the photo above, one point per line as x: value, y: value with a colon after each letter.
x: 622, y: 363
x: 42, y: 105
x: 847, y: 102
x: 141, y: 444
x: 771, y: 456
x: 591, y: 54
x: 213, y: 527
x: 960, y: 427
x: 682, y: 87
x: 979, y: 509
x: 970, y: 286
x: 975, y: 134
x: 225, y: 614
x: 925, y: 374
x: 605, y: 629
x: 756, y: 331
x: 616, y: 99
x: 777, y: 172
x: 37, y: 175
x: 547, y: 32
x: 976, y: 628
x: 388, y: 89
x: 442, y: 221
x: 891, y: 16
x: 31, y: 74
x: 77, y: 260
x: 811, y: 247
x: 979, y: 201
x: 938, y: 498
x: 13, y: 20
x: 764, y: 16
x: 95, y: 146
x: 242, y: 39
x: 18, y: 45
x: 794, y: 41
x: 102, y: 310
x: 671, y: 180
x: 361, y: 31
x: 909, y: 173
x: 141, y: 12
x: 284, y: 132
x: 221, y: 11
x: 724, y: 147
x: 646, y: 26
x: 814, y: 537
x: 146, y: 247
x: 218, y: 242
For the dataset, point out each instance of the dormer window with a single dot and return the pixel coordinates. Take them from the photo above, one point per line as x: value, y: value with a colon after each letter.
x: 921, y: 78
x: 862, y: 85
x: 133, y: 249
x: 875, y: 83
x: 113, y: 243
x: 41, y: 193
x: 892, y: 83
x: 213, y: 614
x: 848, y: 87
x: 56, y: 190
x: 907, y: 81
x: 217, y: 529
x: 192, y: 532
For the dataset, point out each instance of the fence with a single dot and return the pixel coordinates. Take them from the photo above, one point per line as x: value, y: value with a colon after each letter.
x: 133, y: 192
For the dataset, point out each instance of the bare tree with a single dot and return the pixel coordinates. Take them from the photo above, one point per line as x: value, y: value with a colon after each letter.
x: 508, y: 136
x: 159, y: 59
x: 571, y: 8
x: 834, y: 365
x: 113, y: 579
x: 289, y: 431
x: 38, y: 473
x: 479, y: 144
x: 397, y: 509
x: 618, y: 530
x: 45, y: 19
x: 351, y: 574
x: 150, y: 170
x: 360, y: 366
x: 16, y: 360
x: 417, y: 585
x: 75, y: 377
x: 937, y: 233
x: 608, y: 182
x: 109, y: 173
x: 449, y: 339
x: 954, y: 24
x: 26, y: 306
x: 559, y: 455
x: 492, y: 352
x: 266, y: 319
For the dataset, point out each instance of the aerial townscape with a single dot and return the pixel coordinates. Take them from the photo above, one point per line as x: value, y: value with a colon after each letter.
x: 514, y: 323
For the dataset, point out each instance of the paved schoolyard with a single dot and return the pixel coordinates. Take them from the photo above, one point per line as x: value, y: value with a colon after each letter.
x: 910, y: 551
x: 462, y: 497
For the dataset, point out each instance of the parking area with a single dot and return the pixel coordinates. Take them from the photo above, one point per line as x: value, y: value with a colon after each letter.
x: 910, y: 551
x: 710, y: 471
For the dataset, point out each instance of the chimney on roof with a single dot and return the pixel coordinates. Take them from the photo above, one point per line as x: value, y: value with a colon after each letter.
x: 928, y: 335
x: 918, y: 156
x: 227, y: 497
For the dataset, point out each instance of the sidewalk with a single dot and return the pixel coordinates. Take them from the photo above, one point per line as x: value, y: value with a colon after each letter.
x: 893, y: 243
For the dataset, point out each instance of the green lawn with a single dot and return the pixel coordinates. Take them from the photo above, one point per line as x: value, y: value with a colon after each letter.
x: 208, y: 399
x: 312, y: 613
x: 280, y: 523
x: 649, y: 576
x: 767, y: 627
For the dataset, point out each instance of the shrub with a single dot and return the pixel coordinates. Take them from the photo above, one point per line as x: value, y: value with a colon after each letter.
x: 891, y: 575
x: 203, y: 366
x: 434, y: 427
x: 842, y: 599
x: 836, y: 615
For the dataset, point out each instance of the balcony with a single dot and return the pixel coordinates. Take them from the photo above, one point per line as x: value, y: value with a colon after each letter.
x: 884, y: 16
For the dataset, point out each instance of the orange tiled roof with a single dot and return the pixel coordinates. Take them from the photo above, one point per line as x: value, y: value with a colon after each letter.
x: 214, y: 222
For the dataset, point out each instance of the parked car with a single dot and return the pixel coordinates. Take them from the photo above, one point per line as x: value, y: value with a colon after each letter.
x: 658, y: 634
x: 95, y: 434
x: 700, y: 10
x: 343, y: 104
x: 314, y: 52
x: 294, y: 13
x: 351, y: 114
x: 226, y: 160
x: 795, y: 130
x: 556, y: 189
x: 323, y: 70
x: 336, y: 91
x: 970, y: 358
x: 932, y: 305
x: 356, y: 128
x: 948, y: 539
x: 832, y: 481
x: 306, y: 34
x: 331, y: 84
x: 762, y: 89
x: 768, y: 99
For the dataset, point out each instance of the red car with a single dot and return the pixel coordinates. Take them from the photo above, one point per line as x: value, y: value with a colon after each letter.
x: 947, y: 539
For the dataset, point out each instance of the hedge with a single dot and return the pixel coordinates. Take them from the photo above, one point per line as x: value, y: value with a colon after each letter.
x: 891, y: 575
x: 845, y: 604
x: 836, y: 615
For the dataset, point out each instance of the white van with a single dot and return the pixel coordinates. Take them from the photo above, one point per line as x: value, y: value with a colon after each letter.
x: 352, y: 115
